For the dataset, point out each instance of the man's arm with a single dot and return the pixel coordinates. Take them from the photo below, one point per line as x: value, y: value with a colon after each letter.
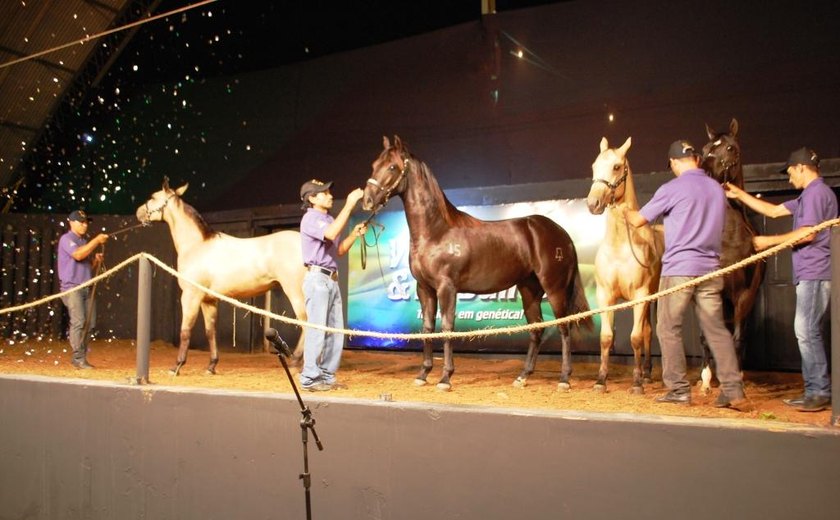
x: 763, y: 207
x: 633, y: 217
x: 332, y: 231
x: 82, y: 252
x: 359, y: 230
x: 804, y: 233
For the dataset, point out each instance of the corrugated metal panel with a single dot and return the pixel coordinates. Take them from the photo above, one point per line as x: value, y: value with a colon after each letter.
x: 30, y: 91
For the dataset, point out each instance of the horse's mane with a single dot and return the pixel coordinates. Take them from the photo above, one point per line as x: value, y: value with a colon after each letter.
x: 203, y: 226
x: 454, y: 217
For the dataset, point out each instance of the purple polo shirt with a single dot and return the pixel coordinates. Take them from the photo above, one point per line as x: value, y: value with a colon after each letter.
x: 694, y: 207
x: 816, y: 204
x: 316, y: 249
x: 72, y: 272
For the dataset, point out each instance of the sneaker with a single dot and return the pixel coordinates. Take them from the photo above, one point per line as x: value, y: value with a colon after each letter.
x: 675, y: 398
x: 82, y: 365
x: 317, y: 387
x: 795, y: 401
x: 814, y: 403
x: 740, y: 403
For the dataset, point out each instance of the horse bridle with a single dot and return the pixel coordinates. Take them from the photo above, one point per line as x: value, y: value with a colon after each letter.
x: 390, y: 189
x: 727, y: 165
x: 150, y: 212
x: 613, y: 186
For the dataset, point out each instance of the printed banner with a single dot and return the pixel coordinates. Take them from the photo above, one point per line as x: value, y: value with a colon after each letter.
x: 383, y: 296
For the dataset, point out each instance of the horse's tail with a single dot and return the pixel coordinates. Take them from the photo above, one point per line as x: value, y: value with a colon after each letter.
x: 576, y: 302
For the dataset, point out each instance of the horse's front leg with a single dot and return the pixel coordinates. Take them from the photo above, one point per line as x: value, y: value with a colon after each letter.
x: 428, y: 305
x: 190, y: 301
x: 533, y: 314
x: 446, y: 299
x: 210, y: 310
x: 607, y: 337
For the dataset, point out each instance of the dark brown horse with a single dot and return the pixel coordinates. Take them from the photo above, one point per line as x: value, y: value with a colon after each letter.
x: 451, y: 251
x: 722, y: 161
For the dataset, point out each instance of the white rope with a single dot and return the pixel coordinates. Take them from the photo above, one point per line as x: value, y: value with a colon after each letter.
x: 443, y: 335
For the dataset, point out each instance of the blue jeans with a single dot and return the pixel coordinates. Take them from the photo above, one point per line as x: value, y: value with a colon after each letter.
x: 321, y: 350
x: 77, y: 307
x: 812, y: 298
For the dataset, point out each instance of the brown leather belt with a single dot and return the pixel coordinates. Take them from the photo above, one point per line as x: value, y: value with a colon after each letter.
x: 323, y: 270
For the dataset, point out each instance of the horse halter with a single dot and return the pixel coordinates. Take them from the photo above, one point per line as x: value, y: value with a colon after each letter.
x: 390, y: 189
x: 150, y: 212
x: 727, y: 165
x: 613, y: 186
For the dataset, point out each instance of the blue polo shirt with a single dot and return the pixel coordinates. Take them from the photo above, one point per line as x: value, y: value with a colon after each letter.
x: 816, y: 204
x: 316, y: 249
x: 694, y: 207
x: 72, y: 272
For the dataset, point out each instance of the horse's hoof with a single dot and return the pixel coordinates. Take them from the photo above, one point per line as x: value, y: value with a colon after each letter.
x: 444, y: 387
x: 563, y: 387
x: 420, y: 382
x: 520, y: 383
x: 600, y: 388
x: 173, y: 372
x: 705, y: 390
x: 210, y: 372
x: 637, y: 390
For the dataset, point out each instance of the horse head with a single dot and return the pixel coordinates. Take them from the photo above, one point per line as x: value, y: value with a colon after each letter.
x: 722, y: 155
x: 388, y: 176
x: 152, y: 210
x: 609, y: 173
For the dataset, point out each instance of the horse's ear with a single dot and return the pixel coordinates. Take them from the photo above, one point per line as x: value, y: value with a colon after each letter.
x: 165, y: 185
x: 180, y: 191
x: 626, y: 146
x: 604, y: 144
x: 733, y: 127
x: 398, y: 143
x: 711, y: 133
x: 385, y: 142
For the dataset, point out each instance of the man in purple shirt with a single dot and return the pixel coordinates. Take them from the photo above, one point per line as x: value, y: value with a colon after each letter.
x: 811, y: 267
x: 321, y: 246
x: 75, y: 267
x: 693, y: 207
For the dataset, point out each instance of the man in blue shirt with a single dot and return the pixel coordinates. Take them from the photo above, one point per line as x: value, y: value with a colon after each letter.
x: 811, y: 267
x: 321, y: 247
x: 75, y: 267
x: 693, y: 206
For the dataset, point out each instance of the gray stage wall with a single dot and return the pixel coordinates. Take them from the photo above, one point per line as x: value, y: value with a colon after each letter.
x: 83, y: 449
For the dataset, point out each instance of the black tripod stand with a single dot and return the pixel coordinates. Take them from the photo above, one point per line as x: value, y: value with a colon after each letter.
x: 306, y: 423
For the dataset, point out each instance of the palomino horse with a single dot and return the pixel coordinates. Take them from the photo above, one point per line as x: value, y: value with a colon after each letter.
x: 451, y: 251
x: 722, y: 161
x: 235, y: 267
x: 628, y: 260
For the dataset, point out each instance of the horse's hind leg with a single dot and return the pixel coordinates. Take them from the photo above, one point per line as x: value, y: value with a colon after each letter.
x: 190, y: 300
x: 531, y: 297
x: 428, y: 304
x: 210, y: 310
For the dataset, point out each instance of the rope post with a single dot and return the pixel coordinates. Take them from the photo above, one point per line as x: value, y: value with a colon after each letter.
x: 834, y: 306
x: 144, y: 319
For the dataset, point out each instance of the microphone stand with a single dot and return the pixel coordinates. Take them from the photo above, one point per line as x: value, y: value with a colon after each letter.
x: 307, y: 423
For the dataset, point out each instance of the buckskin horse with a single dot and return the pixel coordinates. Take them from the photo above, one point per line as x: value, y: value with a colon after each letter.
x: 235, y: 267
x: 722, y: 161
x: 627, y: 263
x: 451, y: 251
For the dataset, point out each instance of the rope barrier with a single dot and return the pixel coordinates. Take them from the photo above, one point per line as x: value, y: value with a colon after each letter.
x: 442, y: 335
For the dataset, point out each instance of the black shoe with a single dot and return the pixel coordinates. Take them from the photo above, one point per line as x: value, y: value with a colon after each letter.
x: 795, y: 401
x: 814, y: 403
x: 675, y: 398
x: 318, y: 387
x: 82, y: 365
x: 739, y: 403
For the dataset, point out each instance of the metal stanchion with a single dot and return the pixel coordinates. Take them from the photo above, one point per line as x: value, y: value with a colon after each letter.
x: 144, y: 319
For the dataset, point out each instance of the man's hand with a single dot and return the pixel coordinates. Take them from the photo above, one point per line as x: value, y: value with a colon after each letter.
x: 360, y: 229
x: 101, y: 238
x: 760, y: 243
x: 732, y: 192
x: 355, y: 196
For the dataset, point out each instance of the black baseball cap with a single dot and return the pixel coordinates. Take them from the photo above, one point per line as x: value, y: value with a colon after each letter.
x: 312, y: 187
x: 804, y: 156
x: 78, y: 216
x: 680, y: 149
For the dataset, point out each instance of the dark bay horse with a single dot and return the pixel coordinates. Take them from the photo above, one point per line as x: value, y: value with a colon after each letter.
x: 451, y: 251
x: 722, y: 160
x: 235, y: 267
x: 628, y: 261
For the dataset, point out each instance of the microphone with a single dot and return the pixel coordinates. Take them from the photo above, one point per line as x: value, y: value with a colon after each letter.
x: 274, y: 338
